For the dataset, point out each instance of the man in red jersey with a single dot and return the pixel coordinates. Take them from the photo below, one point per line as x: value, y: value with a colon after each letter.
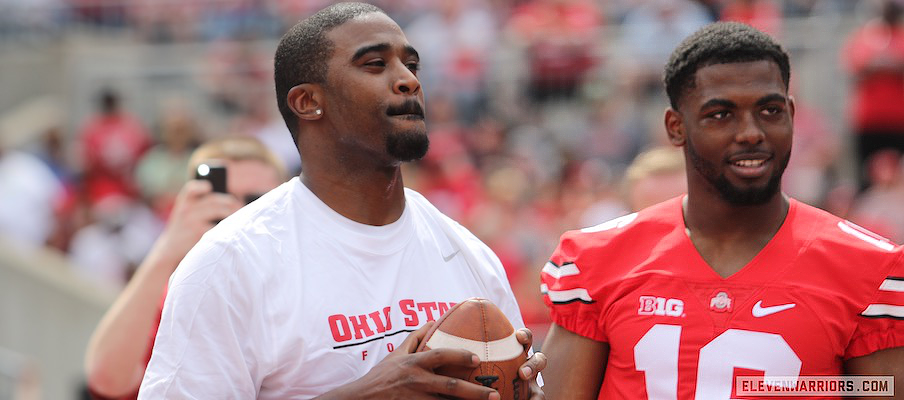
x: 734, y: 279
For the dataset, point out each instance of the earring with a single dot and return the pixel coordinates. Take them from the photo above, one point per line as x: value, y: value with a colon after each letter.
x: 318, y: 111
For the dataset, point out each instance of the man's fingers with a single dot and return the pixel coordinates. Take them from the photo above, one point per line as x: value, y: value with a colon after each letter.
x: 195, y: 188
x: 533, y: 365
x: 525, y: 336
x: 436, y: 358
x: 536, y: 393
x: 409, y: 345
x: 458, y: 388
x: 216, y: 205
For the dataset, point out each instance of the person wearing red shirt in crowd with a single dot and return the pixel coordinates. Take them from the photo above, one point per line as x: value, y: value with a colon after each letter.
x: 112, y: 143
x: 874, y: 55
x: 765, y: 15
x: 735, y: 279
x: 558, y: 37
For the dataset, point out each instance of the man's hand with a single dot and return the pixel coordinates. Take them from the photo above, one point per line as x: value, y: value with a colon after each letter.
x: 405, y: 374
x: 533, y: 365
x: 195, y: 209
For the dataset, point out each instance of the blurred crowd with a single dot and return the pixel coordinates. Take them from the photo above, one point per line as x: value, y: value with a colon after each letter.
x: 536, y: 110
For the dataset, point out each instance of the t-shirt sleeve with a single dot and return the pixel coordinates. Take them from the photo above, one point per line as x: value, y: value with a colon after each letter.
x: 567, y: 286
x: 881, y: 323
x: 209, y: 344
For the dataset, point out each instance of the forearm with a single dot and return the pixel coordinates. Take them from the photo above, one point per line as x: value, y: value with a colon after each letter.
x: 116, y: 352
x: 347, y: 391
x: 887, y: 362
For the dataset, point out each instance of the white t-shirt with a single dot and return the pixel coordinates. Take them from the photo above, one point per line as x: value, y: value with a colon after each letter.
x: 28, y: 190
x: 288, y: 299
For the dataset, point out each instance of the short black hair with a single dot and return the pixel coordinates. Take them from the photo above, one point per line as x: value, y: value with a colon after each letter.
x: 108, y: 100
x: 720, y: 43
x: 303, y: 51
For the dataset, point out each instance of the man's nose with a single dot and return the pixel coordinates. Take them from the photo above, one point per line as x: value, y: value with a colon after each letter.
x: 406, y: 82
x: 750, y: 131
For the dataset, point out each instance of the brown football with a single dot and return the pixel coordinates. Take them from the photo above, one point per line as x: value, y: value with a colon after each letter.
x: 479, y: 326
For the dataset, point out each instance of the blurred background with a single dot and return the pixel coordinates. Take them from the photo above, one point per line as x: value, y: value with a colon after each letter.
x: 537, y: 108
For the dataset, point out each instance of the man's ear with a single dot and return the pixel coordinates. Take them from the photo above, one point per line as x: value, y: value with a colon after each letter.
x: 791, y: 104
x: 674, y: 127
x: 304, y: 101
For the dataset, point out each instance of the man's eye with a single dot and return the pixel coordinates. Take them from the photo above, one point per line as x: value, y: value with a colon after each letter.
x: 718, y: 115
x: 414, y: 66
x: 772, y: 110
x: 375, y: 63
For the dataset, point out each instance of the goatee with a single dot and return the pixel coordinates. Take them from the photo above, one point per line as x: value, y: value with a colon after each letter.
x: 407, y: 146
x: 731, y: 193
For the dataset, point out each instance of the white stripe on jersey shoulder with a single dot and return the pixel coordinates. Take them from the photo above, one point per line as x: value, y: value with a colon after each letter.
x: 883, y: 310
x: 498, y: 350
x: 865, y: 235
x: 890, y: 285
x: 555, y: 271
x: 612, y: 224
x: 566, y: 296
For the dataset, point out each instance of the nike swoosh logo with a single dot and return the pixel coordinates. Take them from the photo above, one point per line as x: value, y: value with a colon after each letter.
x: 760, y: 311
x: 450, y: 256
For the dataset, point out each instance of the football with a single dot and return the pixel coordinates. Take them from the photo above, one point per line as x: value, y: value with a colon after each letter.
x: 479, y: 326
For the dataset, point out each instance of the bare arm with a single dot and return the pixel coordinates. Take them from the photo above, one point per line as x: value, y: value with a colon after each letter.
x: 117, y: 351
x: 883, y: 363
x: 575, y: 365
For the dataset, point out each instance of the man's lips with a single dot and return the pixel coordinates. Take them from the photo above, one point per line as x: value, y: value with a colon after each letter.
x: 408, y: 116
x: 750, y: 165
x: 407, y: 110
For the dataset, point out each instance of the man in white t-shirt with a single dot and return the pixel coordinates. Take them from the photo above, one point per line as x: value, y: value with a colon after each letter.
x: 313, y: 289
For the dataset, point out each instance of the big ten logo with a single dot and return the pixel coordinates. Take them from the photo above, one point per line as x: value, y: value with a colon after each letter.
x: 652, y: 305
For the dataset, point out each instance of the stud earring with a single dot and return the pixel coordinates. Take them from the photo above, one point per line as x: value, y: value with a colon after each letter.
x: 318, y: 111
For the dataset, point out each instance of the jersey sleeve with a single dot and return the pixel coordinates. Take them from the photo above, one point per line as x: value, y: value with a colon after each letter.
x: 210, y: 343
x: 567, y: 287
x: 881, y: 323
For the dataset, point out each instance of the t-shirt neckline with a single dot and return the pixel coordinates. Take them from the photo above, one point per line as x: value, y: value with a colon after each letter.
x: 384, y: 239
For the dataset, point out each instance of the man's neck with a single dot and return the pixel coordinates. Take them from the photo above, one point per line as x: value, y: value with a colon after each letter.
x: 372, y: 197
x: 710, y: 215
x: 729, y: 236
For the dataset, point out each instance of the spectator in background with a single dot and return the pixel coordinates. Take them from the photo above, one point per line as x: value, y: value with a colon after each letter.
x: 118, y: 234
x: 810, y: 174
x: 455, y: 41
x: 654, y: 176
x: 161, y: 172
x: 614, y: 133
x: 880, y: 208
x: 233, y: 19
x: 120, y: 347
x: 874, y: 55
x: 650, y: 32
x: 69, y: 209
x: 29, y: 194
x: 559, y: 38
x: 112, y: 142
x: 765, y: 15
x: 235, y: 75
x: 165, y: 21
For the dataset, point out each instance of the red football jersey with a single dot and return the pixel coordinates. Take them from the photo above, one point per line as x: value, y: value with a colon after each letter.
x: 822, y: 290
